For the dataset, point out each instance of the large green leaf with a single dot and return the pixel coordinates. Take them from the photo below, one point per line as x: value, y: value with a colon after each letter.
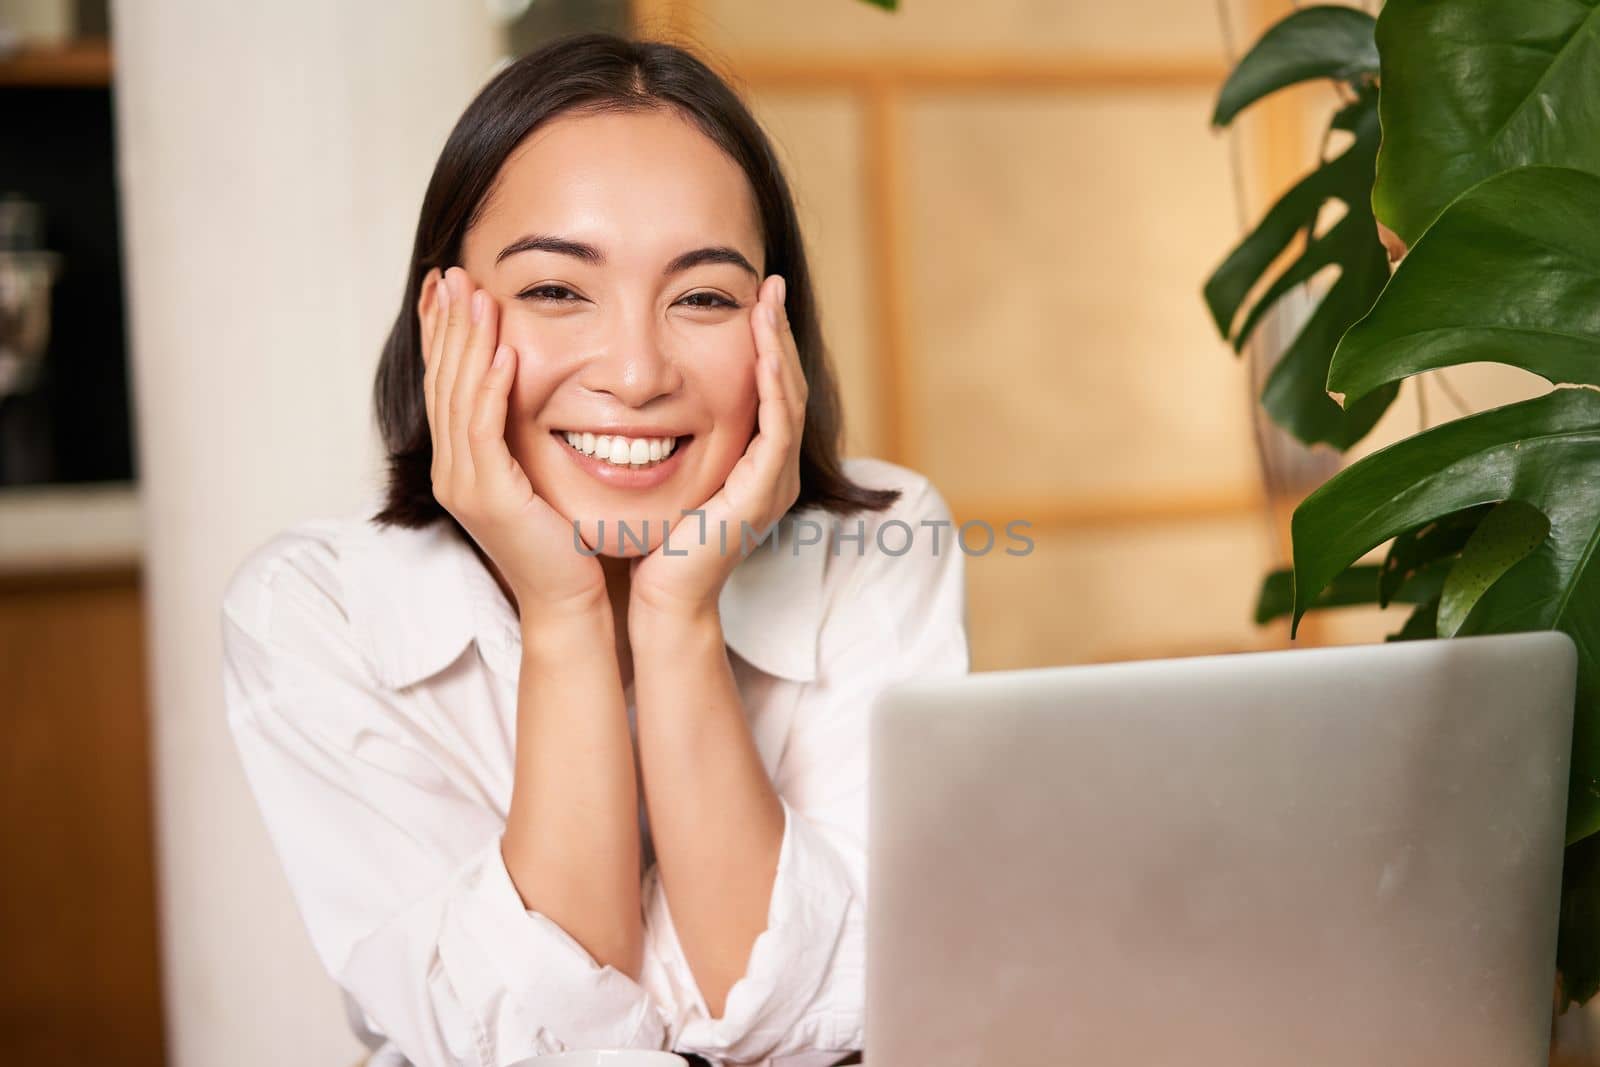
x: 1437, y: 541
x: 1475, y: 87
x: 1502, y: 540
x: 1510, y: 272
x: 1314, y: 42
x: 1544, y: 452
x: 1295, y: 394
x: 1355, y: 587
x: 1419, y: 562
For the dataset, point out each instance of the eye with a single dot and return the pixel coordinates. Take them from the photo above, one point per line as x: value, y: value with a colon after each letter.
x: 715, y: 300
x: 555, y: 294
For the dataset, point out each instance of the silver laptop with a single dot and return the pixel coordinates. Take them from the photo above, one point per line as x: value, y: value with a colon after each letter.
x: 1334, y: 856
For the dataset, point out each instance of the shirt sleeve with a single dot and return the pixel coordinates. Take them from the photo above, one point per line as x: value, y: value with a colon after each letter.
x: 392, y: 855
x: 800, y: 1002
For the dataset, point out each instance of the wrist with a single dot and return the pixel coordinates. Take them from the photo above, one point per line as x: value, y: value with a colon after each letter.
x: 553, y: 632
x: 536, y: 608
x: 675, y: 629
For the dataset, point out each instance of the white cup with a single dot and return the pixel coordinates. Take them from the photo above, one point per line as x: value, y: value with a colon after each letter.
x: 621, y: 1057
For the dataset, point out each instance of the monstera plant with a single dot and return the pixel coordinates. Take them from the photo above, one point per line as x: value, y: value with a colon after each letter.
x: 1487, y: 174
x: 1318, y: 42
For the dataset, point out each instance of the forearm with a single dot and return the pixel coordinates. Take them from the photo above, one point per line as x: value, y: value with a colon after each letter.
x: 571, y: 843
x: 715, y: 820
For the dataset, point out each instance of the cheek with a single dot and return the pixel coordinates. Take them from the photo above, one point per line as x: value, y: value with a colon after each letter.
x: 536, y: 380
x: 548, y: 353
x: 541, y: 366
x: 727, y: 383
x: 730, y: 404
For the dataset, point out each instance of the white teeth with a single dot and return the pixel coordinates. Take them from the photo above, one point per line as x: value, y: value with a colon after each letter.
x: 622, y: 451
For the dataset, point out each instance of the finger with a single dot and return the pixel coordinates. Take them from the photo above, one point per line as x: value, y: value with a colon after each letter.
x: 775, y: 410
x: 775, y: 342
x: 476, y: 351
x: 449, y: 356
x: 794, y: 374
x: 781, y: 464
x: 769, y: 451
x: 486, y: 433
x: 750, y: 487
x: 432, y: 336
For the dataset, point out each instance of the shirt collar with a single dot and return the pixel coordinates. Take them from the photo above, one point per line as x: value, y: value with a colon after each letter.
x: 419, y: 596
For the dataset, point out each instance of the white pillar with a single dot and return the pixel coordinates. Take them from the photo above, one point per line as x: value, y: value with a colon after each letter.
x: 272, y: 162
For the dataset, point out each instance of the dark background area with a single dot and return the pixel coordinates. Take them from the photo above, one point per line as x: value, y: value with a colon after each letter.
x: 57, y: 149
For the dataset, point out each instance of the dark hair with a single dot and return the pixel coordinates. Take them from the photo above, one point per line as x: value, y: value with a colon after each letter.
x: 599, y: 72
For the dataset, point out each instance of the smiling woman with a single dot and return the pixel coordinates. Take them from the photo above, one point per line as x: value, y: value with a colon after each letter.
x: 624, y: 323
x: 674, y: 158
x: 566, y: 746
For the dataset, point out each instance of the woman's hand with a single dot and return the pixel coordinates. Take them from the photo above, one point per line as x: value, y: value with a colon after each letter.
x: 467, y: 385
x: 759, y: 490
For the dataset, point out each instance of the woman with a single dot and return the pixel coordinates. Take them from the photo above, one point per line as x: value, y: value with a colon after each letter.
x: 557, y: 751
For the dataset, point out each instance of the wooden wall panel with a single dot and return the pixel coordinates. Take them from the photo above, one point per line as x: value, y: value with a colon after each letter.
x: 818, y: 137
x: 1058, y: 343
x: 1139, y: 27
x: 1126, y: 592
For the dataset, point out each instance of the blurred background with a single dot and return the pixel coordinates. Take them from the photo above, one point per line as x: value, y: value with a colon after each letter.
x: 205, y: 211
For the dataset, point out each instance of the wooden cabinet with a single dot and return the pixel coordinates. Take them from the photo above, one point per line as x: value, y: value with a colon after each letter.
x: 81, y: 979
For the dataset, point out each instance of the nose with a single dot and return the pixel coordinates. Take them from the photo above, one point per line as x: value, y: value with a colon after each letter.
x: 634, y: 365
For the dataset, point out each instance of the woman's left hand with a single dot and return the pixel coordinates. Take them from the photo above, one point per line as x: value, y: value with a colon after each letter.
x: 759, y: 491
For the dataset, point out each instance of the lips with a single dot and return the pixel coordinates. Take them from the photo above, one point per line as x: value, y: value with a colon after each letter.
x: 625, y: 474
x: 621, y: 449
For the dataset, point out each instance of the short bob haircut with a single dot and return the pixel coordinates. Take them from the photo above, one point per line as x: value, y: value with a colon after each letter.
x: 599, y: 72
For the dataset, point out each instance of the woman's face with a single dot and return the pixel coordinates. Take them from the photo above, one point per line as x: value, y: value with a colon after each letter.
x: 625, y: 254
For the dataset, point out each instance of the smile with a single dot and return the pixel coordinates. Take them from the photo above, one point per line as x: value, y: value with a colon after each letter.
x: 619, y: 450
x: 624, y: 462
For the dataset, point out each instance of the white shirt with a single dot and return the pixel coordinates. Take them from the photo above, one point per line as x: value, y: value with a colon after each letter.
x: 370, y: 681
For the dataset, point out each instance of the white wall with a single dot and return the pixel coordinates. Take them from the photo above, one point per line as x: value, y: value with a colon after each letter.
x: 273, y: 157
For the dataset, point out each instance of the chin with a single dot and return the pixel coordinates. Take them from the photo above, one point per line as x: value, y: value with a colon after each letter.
x: 631, y: 528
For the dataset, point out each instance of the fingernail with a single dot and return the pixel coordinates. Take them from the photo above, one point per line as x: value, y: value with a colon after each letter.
x: 783, y: 290
x: 502, y: 355
x: 480, y: 301
x: 443, y: 289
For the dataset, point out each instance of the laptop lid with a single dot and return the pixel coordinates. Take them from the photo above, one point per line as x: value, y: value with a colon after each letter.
x: 1338, y: 856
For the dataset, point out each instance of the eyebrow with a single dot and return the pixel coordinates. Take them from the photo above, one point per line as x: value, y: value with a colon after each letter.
x: 539, y: 242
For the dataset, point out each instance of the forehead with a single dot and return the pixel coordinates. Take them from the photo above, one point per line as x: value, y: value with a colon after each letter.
x: 643, y: 185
